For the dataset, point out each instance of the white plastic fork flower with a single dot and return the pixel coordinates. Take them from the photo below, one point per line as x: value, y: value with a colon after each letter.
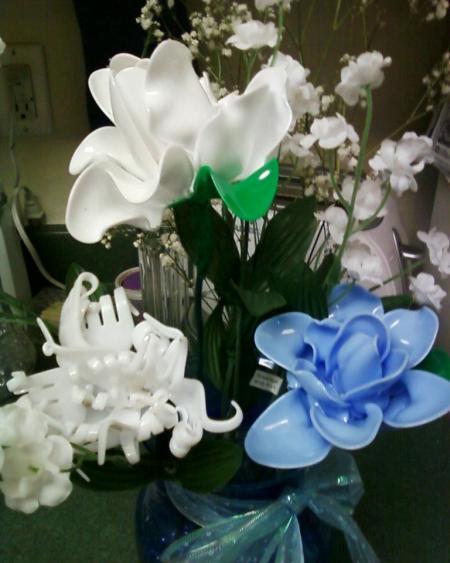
x: 425, y: 291
x: 336, y: 219
x: 118, y: 384
x: 253, y: 34
x: 330, y: 132
x: 366, y: 70
x: 34, y: 461
x: 361, y: 263
x: 166, y: 125
x: 401, y: 161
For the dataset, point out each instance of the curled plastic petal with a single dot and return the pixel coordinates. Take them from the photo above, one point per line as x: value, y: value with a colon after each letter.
x: 352, y: 434
x: 283, y: 435
x: 281, y: 338
x: 418, y: 398
x: 345, y: 301
x: 239, y: 138
x: 355, y: 362
x: 413, y: 331
x: 178, y: 104
x: 189, y: 394
x: 101, y: 143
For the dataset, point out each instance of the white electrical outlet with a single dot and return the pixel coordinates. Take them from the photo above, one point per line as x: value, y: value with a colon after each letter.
x: 24, y: 92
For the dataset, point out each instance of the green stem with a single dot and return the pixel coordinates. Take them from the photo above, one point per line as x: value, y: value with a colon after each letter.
x: 280, y: 33
x: 400, y: 274
x: 199, y: 322
x: 238, y: 345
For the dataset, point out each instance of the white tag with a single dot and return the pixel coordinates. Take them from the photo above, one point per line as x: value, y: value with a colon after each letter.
x: 266, y: 381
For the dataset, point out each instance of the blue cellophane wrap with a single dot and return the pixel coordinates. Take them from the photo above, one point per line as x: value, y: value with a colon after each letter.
x: 282, y: 521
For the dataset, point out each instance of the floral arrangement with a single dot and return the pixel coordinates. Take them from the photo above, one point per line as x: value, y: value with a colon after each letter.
x: 293, y: 284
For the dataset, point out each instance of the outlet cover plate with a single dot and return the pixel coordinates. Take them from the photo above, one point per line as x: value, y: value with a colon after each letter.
x: 25, y: 64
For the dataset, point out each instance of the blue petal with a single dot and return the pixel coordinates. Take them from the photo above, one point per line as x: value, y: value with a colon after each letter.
x: 314, y: 388
x: 350, y: 435
x: 347, y: 300
x: 420, y: 397
x: 281, y: 338
x: 369, y: 325
x: 284, y: 437
x: 355, y: 363
x: 320, y: 335
x: 412, y: 331
x: 393, y: 368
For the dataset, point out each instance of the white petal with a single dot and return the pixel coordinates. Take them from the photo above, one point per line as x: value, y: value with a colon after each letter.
x: 99, y: 86
x: 121, y: 61
x: 244, y: 134
x: 95, y: 205
x: 56, y: 490
x: 106, y: 141
x: 131, y: 117
x: 179, y: 106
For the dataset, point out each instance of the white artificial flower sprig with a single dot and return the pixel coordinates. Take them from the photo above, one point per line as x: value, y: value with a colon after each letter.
x: 35, y: 459
x: 366, y: 71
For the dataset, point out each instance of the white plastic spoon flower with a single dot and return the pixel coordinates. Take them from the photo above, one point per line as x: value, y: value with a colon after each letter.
x: 166, y: 125
x: 118, y: 384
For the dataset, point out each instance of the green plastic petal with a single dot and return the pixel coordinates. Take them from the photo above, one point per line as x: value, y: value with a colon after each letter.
x: 252, y: 197
x: 248, y: 199
x: 437, y: 362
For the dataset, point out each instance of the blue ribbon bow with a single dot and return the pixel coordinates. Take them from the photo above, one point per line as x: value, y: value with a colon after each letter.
x: 236, y: 530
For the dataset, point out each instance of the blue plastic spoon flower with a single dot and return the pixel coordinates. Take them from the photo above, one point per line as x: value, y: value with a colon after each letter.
x: 347, y: 375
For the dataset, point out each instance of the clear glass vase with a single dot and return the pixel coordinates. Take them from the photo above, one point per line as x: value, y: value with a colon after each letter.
x: 166, y: 276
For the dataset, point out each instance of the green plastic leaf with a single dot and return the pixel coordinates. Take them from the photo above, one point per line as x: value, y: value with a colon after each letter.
x: 402, y: 301
x: 210, y: 465
x: 251, y: 198
x: 116, y: 476
x: 260, y: 303
x: 209, y: 242
x: 285, y: 241
x: 214, y: 346
x: 437, y: 362
x: 302, y: 290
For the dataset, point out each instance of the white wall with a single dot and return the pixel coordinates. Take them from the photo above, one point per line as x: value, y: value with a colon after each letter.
x: 44, y: 160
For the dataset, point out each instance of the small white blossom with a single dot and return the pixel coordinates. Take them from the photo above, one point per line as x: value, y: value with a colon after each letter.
x: 253, y: 35
x: 291, y: 145
x: 368, y: 198
x: 348, y: 156
x: 401, y: 161
x: 302, y: 96
x: 330, y: 132
x: 2, y: 46
x: 365, y: 71
x: 262, y: 5
x: 337, y: 220
x: 438, y: 249
x: 32, y: 461
x: 425, y: 291
x: 361, y: 263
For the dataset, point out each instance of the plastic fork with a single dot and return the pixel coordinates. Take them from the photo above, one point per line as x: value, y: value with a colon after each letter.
x: 109, y: 324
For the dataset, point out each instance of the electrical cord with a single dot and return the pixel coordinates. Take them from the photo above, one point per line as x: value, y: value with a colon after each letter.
x: 15, y: 205
x: 27, y: 242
